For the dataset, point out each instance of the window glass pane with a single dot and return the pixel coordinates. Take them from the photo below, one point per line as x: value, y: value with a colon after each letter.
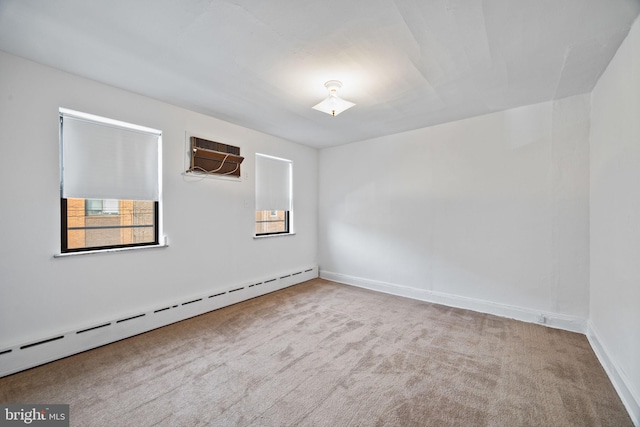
x: 268, y: 223
x: 101, y: 207
x: 104, y: 223
x: 110, y: 207
x: 92, y: 206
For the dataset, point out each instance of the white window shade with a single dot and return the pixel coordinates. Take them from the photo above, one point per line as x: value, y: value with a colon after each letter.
x: 103, y: 160
x: 273, y: 183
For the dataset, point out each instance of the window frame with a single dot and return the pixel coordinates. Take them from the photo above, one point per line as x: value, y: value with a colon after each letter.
x: 288, y: 212
x: 157, y: 204
x: 64, y: 229
x: 275, y: 233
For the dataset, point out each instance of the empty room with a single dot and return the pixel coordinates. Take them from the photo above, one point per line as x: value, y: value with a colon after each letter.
x: 296, y: 213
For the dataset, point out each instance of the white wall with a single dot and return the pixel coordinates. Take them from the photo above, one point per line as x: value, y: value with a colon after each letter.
x: 615, y: 219
x: 209, y: 222
x: 489, y: 213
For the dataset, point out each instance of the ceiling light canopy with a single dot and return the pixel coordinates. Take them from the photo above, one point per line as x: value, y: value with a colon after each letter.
x: 333, y: 104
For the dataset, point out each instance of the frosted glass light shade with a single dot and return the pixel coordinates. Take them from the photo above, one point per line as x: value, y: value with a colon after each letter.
x: 333, y: 104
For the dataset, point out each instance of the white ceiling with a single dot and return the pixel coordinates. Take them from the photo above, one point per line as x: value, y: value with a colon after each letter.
x: 262, y: 64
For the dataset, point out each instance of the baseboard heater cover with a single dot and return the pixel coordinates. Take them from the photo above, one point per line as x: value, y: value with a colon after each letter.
x: 130, y: 318
x: 93, y: 328
x: 47, y: 349
x: 26, y: 346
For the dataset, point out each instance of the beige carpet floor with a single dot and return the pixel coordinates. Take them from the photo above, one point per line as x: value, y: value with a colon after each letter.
x: 326, y: 354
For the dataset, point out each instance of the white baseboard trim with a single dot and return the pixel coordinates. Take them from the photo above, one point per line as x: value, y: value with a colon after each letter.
x: 27, y: 355
x: 554, y: 320
x: 629, y: 397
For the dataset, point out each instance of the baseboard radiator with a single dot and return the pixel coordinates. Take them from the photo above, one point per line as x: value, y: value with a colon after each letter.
x: 37, y: 352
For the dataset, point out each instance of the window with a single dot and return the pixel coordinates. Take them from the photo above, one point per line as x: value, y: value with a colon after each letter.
x: 101, y: 207
x: 273, y: 195
x: 93, y: 224
x: 110, y: 183
x: 268, y: 223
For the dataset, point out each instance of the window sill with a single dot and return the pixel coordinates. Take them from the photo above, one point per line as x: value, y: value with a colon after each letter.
x: 102, y: 251
x: 201, y: 175
x: 265, y: 236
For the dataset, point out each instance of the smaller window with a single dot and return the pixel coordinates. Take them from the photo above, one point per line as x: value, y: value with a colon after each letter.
x: 273, y: 195
x: 272, y: 222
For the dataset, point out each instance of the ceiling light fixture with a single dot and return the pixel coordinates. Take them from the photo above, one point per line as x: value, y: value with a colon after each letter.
x: 333, y: 104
